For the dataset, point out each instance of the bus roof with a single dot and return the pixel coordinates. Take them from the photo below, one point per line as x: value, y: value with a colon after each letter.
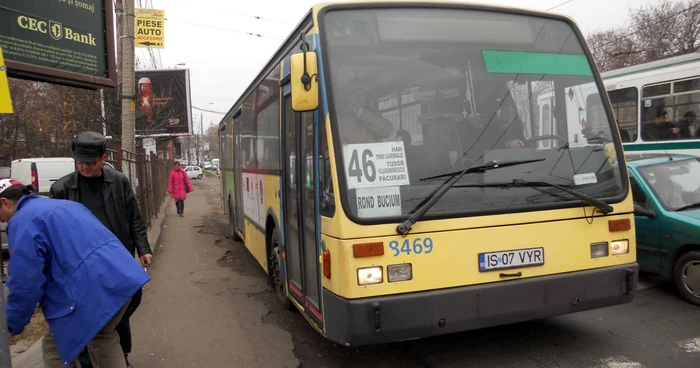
x: 672, y: 61
x: 324, y: 4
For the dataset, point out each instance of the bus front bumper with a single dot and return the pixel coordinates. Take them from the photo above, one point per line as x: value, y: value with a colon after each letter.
x: 353, y: 322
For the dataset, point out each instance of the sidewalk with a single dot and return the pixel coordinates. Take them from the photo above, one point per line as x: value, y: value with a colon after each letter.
x: 198, y: 309
x: 32, y: 358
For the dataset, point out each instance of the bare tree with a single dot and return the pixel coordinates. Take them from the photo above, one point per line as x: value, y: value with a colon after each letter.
x: 213, y: 137
x: 613, y: 49
x: 666, y: 29
x: 45, y: 119
x: 654, y: 32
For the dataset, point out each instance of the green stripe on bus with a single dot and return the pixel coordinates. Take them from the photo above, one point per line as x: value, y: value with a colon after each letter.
x: 631, y: 147
x: 522, y: 62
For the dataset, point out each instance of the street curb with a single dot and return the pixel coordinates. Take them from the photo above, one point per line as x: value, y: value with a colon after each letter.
x: 157, y: 226
x: 32, y: 357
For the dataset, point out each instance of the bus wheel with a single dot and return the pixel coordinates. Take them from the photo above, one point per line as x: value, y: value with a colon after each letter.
x: 276, y: 272
x: 232, y: 234
x: 686, y: 275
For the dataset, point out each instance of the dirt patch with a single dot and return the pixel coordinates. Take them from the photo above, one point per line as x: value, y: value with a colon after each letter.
x: 35, y: 330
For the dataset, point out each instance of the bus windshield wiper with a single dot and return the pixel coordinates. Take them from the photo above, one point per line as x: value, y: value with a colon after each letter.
x: 481, y: 168
x: 452, y: 178
x: 688, y: 207
x: 595, y: 202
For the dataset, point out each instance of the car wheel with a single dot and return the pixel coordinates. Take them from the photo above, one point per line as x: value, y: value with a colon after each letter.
x: 686, y: 275
x: 199, y: 177
x: 277, y: 279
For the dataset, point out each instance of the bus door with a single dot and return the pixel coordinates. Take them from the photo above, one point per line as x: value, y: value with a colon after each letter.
x: 237, y: 178
x: 300, y: 208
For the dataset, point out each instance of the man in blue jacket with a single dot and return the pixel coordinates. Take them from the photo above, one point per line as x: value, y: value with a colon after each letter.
x: 63, y: 258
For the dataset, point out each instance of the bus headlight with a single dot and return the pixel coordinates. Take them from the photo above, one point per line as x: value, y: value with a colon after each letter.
x: 599, y: 250
x: 620, y: 247
x: 399, y: 272
x: 370, y: 276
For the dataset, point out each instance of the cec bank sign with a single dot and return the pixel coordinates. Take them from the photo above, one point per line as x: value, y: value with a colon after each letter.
x: 59, y: 41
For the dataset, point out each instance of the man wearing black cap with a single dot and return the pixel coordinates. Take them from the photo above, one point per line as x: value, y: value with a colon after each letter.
x: 108, y: 195
x: 660, y: 128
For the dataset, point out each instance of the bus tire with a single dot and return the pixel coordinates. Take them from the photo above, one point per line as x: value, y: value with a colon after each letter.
x: 233, y: 235
x: 277, y: 279
x: 690, y: 293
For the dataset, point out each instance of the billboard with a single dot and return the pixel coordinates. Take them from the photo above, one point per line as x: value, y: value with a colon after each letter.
x: 163, y: 104
x: 67, y: 42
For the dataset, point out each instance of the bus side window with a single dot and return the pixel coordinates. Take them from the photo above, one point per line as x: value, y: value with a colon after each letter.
x: 624, y: 104
x: 325, y: 177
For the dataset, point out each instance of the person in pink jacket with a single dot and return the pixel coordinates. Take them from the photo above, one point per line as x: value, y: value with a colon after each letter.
x: 178, y: 186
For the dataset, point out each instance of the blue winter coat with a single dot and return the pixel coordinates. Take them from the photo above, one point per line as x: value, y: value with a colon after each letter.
x: 62, y: 257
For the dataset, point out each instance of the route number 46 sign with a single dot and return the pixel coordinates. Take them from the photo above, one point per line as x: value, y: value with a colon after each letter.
x: 374, y: 165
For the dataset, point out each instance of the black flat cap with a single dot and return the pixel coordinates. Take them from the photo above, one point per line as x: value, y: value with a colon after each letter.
x: 88, y: 146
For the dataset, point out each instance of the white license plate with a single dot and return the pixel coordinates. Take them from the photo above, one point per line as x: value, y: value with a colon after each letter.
x: 511, y: 259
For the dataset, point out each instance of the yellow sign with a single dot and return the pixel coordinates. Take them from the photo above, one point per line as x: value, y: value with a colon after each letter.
x: 149, y: 28
x: 5, y: 100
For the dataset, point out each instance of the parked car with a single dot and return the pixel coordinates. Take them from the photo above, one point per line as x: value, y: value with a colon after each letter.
x: 666, y: 192
x: 194, y: 172
x: 5, y: 172
x: 42, y: 172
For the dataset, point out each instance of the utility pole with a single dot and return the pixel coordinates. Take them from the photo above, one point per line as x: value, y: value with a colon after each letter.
x: 201, y: 132
x: 126, y: 41
x: 196, y: 147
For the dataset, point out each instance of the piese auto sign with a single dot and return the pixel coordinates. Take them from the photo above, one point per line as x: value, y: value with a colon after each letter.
x: 59, y: 41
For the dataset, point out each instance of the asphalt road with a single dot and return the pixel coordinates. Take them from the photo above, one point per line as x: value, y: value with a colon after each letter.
x: 208, y: 306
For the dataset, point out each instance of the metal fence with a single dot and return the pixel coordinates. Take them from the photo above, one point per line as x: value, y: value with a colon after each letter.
x: 148, y: 175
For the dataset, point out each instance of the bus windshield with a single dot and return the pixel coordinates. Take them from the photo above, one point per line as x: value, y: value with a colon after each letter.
x: 416, y: 93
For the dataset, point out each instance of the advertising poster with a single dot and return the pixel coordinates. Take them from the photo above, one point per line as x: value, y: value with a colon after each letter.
x: 163, y: 104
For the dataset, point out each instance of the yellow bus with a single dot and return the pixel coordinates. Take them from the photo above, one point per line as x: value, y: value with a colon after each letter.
x: 389, y: 171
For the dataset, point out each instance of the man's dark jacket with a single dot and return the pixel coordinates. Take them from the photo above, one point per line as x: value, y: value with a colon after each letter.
x: 120, y: 206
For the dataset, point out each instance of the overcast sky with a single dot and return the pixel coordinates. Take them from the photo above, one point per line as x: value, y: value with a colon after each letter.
x: 209, y: 36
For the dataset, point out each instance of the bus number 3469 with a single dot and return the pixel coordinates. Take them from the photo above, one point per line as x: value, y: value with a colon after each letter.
x: 418, y: 246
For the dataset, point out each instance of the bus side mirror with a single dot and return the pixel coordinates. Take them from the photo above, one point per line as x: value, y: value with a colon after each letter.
x: 644, y: 212
x: 304, y: 79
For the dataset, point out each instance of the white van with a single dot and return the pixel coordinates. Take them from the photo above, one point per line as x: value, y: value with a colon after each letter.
x: 42, y: 172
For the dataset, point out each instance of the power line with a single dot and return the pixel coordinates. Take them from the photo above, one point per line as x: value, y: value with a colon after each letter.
x: 205, y: 110
x: 239, y: 14
x: 647, y: 26
x: 213, y: 98
x: 556, y: 6
x: 225, y: 29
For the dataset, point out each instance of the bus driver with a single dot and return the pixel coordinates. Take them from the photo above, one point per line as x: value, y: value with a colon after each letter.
x: 360, y: 123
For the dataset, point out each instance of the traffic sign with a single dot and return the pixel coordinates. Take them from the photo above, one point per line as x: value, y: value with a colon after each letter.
x: 5, y: 100
x: 149, y: 28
